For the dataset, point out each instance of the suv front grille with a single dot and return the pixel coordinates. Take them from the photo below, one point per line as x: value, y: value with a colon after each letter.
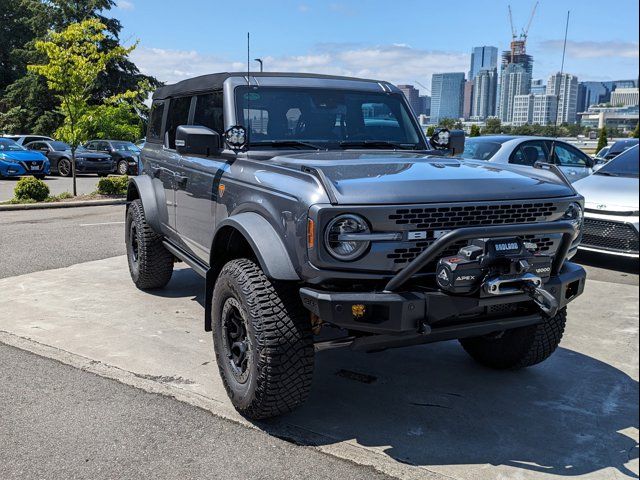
x: 615, y: 236
x: 401, y: 256
x: 474, y: 215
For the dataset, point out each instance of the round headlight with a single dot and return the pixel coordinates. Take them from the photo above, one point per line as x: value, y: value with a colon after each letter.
x: 340, y: 237
x: 574, y: 215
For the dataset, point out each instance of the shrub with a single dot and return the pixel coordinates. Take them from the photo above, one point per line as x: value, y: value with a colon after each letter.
x: 113, y: 185
x: 30, y: 188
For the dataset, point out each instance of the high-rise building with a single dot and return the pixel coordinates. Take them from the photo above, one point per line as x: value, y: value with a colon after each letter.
x: 534, y: 109
x: 515, y: 80
x: 426, y: 104
x: 565, y: 87
x: 447, y: 94
x: 482, y: 58
x: 484, y: 94
x: 413, y: 97
x: 538, y: 87
x: 519, y: 58
x: 467, y: 101
x: 624, y: 97
x: 592, y: 93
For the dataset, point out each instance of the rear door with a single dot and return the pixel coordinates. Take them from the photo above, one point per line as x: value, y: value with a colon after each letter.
x: 574, y: 163
x: 197, y: 182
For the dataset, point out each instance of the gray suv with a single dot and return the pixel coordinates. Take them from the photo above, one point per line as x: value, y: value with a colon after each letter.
x: 312, y: 202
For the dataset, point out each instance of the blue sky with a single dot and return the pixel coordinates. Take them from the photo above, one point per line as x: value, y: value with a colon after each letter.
x: 400, y: 41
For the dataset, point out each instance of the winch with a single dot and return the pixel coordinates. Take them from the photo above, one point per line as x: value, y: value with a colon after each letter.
x: 498, y: 266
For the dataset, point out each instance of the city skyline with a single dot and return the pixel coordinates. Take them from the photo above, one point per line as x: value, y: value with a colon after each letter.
x: 344, y: 38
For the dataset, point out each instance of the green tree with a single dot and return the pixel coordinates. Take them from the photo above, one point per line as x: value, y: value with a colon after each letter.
x: 602, y: 139
x: 27, y: 104
x: 74, y: 61
x: 636, y: 131
x: 475, y: 131
x: 447, y: 123
x: 492, y: 125
x: 431, y: 130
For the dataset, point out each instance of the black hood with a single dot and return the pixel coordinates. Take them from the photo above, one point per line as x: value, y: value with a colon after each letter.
x: 394, y: 178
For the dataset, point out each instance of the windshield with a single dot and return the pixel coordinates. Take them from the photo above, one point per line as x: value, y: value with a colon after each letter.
x: 60, y: 146
x: 326, y: 118
x: 7, y: 145
x: 125, y: 147
x: 624, y: 165
x: 480, y: 149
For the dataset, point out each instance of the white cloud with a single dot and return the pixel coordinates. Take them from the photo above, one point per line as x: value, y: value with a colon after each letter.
x: 395, y: 63
x: 590, y: 49
x: 125, y: 5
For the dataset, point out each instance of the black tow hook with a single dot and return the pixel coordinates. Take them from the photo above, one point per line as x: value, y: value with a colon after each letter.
x: 543, y: 299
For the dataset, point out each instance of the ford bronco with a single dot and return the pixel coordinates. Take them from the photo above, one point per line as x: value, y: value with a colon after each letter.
x: 312, y: 202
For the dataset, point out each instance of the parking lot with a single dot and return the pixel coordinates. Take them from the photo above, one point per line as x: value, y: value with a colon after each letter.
x: 421, y: 412
x: 57, y: 185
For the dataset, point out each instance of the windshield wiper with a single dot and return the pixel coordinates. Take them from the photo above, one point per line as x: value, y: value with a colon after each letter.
x: 608, y: 174
x: 286, y: 143
x: 377, y: 144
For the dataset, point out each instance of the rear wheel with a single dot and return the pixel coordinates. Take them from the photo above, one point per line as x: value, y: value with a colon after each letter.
x: 263, y: 341
x: 150, y: 264
x: 64, y: 167
x: 520, y: 347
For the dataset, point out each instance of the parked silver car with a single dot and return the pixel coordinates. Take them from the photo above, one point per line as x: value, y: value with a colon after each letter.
x: 611, y: 206
x: 527, y: 151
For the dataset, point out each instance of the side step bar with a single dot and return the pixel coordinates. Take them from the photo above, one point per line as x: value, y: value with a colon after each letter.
x: 199, y: 267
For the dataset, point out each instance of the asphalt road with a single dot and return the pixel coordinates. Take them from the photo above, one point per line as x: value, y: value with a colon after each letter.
x: 57, y: 185
x: 34, y: 240
x: 61, y: 422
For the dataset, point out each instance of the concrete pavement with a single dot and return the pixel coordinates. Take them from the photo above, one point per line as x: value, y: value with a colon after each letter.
x: 424, y: 412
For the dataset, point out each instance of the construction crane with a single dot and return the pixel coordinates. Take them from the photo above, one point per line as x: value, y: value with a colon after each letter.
x: 519, y: 42
x: 428, y: 90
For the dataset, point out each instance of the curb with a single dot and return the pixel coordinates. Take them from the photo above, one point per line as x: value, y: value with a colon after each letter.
x: 343, y: 450
x: 85, y: 203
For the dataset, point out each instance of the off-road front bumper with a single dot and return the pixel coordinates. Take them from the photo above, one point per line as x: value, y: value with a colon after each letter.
x: 433, y: 315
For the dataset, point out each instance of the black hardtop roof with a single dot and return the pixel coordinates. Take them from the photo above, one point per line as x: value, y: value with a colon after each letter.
x: 214, y: 81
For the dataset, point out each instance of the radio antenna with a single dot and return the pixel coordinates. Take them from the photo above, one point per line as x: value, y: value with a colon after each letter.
x: 248, y: 94
x: 564, y: 51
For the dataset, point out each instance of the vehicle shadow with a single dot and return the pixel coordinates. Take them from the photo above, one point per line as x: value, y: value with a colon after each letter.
x: 608, y: 262
x: 432, y: 405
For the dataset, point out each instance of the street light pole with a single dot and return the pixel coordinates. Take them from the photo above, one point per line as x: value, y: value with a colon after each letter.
x: 259, y: 60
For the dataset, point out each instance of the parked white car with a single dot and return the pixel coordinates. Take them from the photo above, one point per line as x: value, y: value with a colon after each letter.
x: 24, y: 139
x: 574, y: 163
x: 611, y: 206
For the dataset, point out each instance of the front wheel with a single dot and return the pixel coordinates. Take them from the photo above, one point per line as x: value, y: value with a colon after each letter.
x: 263, y: 341
x: 520, y: 347
x: 123, y: 167
x: 150, y: 264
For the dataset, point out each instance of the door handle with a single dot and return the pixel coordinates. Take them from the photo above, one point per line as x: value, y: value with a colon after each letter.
x: 181, y: 181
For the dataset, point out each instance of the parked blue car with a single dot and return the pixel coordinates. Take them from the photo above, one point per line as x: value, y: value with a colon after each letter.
x: 15, y: 161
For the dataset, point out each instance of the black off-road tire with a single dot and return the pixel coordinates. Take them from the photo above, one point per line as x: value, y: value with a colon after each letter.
x: 518, y: 348
x: 279, y: 352
x: 150, y: 264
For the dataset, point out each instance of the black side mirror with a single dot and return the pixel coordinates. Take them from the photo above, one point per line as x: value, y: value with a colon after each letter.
x: 196, y: 140
x: 456, y: 142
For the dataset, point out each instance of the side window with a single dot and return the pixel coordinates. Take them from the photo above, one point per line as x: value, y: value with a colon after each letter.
x: 529, y: 153
x: 178, y: 115
x: 102, y: 146
x: 34, y: 146
x: 90, y: 146
x: 208, y: 112
x: 568, y: 156
x: 154, y: 132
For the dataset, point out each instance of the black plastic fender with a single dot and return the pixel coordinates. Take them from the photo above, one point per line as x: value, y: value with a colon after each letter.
x: 267, y: 246
x: 144, y: 187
